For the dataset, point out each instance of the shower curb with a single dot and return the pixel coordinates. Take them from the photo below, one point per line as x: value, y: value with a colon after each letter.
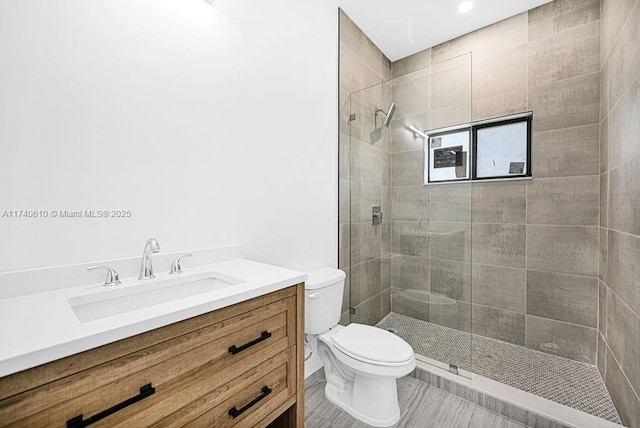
x: 518, y: 413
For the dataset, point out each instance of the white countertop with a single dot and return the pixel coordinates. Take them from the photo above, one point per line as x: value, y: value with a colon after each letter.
x: 39, y: 328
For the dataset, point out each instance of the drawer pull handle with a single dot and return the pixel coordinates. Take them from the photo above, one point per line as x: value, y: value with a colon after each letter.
x: 79, y: 422
x: 234, y: 413
x: 263, y: 336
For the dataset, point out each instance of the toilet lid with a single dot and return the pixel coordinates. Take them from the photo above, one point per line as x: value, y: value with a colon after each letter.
x: 372, y: 343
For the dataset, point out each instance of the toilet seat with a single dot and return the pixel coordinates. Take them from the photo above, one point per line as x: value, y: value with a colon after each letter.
x: 372, y: 345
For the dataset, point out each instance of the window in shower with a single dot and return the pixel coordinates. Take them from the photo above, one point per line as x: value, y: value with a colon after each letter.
x: 502, y: 149
x: 448, y: 155
x: 497, y: 148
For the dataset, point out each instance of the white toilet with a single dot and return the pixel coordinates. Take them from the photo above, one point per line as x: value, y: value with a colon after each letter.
x: 361, y: 363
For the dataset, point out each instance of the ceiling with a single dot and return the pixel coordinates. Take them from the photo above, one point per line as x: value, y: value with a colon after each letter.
x: 403, y: 27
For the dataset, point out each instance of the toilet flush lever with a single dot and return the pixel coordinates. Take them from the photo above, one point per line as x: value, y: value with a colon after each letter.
x: 314, y: 295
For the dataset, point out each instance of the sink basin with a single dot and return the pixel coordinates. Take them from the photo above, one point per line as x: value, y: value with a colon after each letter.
x: 122, y: 300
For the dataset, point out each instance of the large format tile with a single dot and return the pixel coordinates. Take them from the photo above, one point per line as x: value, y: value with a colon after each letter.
x: 365, y: 281
x: 500, y: 105
x: 451, y: 241
x: 410, y: 202
x: 353, y: 37
x: 624, y: 197
x: 344, y: 206
x: 501, y: 73
x: 499, y: 244
x: 602, y: 308
x: 624, y: 128
x: 373, y: 310
x: 491, y: 40
x: 602, y: 356
x: 450, y: 313
x: 411, y: 303
x: 412, y: 93
x: 499, y: 287
x: 451, y: 83
x: 561, y: 15
x: 623, y: 330
x: 408, y: 272
x: 365, y: 242
x: 355, y: 74
x: 407, y: 168
x: 563, y: 297
x: 623, y: 396
x: 603, y: 269
x: 403, y: 139
x: 604, y: 188
x: 564, y: 201
x: 565, y: 55
x: 456, y: 114
x: 344, y: 245
x: 624, y: 59
x: 562, y: 339
x: 411, y: 63
x: 346, y: 293
x: 623, y: 269
x: 363, y: 197
x: 498, y: 324
x: 563, y: 249
x: 451, y: 279
x: 604, y: 144
x: 564, y: 104
x: 451, y: 202
x: 344, y: 156
x: 366, y: 163
x: 566, y: 152
x: 499, y: 202
x: 411, y: 238
x: 614, y: 14
x: 604, y: 88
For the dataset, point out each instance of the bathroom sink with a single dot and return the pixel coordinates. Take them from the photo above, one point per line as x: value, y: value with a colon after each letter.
x: 122, y: 300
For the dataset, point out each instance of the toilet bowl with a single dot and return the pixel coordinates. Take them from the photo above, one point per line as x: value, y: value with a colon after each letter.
x: 361, y: 362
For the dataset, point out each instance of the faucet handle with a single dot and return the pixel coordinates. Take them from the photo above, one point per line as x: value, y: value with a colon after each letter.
x: 112, y: 276
x: 175, y: 266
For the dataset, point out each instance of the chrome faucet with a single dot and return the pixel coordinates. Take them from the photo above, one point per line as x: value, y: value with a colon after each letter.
x: 146, y: 269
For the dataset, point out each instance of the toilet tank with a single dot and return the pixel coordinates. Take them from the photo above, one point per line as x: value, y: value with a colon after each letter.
x: 324, y: 289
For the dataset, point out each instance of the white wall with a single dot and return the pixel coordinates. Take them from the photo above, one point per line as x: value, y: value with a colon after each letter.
x: 214, y: 125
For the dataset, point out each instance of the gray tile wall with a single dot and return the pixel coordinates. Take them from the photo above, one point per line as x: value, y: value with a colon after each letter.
x: 619, y: 286
x: 528, y: 250
x: 365, y: 177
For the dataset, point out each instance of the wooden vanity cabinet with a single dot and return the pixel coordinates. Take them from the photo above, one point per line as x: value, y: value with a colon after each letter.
x: 237, y: 366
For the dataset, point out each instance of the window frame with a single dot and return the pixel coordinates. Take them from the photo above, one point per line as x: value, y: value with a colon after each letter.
x: 473, y: 128
x: 493, y: 123
x: 469, y: 154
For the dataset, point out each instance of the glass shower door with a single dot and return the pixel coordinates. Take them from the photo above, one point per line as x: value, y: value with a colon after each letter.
x: 409, y: 268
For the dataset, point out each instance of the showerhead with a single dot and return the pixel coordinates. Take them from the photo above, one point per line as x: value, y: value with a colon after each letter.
x: 387, y: 120
x: 392, y: 110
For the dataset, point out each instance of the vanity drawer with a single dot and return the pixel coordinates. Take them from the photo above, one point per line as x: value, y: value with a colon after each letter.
x: 250, y: 397
x: 181, y: 369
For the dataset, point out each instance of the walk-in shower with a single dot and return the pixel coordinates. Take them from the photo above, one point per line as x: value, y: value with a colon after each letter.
x: 446, y: 268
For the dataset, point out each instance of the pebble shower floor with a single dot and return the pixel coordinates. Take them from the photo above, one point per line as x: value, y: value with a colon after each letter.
x: 564, y: 381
